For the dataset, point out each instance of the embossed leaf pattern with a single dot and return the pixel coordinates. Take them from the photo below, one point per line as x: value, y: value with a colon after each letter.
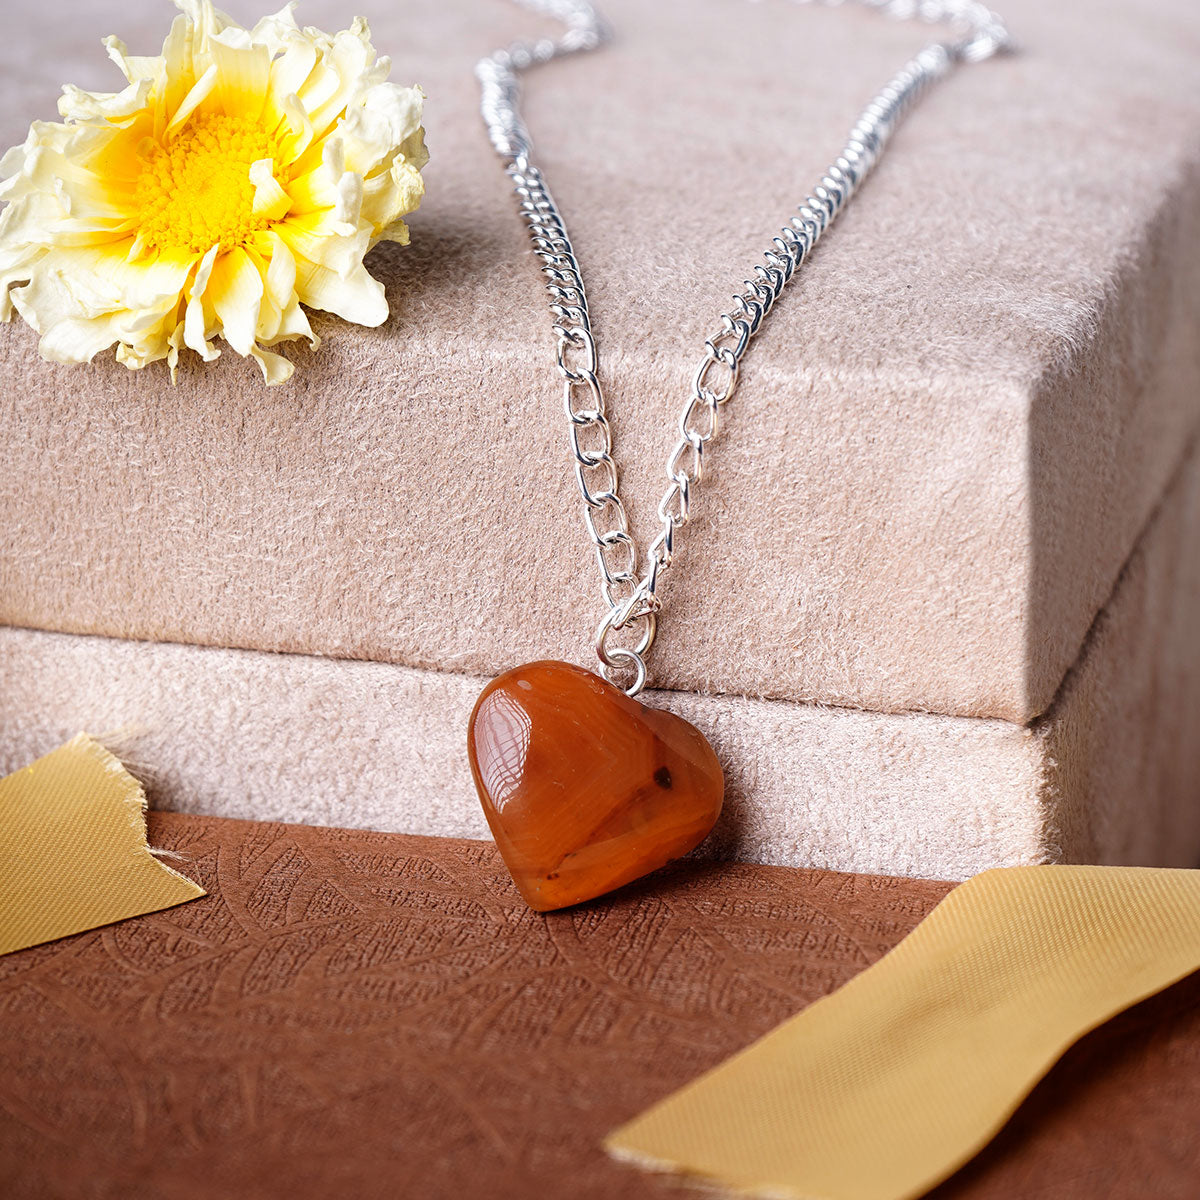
x: 380, y: 1015
x: 377, y: 991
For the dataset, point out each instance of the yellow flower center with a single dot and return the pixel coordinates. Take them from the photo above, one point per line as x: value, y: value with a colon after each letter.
x: 196, y: 192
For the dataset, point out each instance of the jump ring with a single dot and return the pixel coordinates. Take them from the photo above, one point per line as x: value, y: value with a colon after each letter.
x: 629, y: 658
x: 607, y: 625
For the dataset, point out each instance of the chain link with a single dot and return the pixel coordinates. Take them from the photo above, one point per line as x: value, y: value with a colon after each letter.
x: 630, y: 592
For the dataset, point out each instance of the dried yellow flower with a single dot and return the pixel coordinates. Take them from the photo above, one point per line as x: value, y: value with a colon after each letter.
x: 240, y: 174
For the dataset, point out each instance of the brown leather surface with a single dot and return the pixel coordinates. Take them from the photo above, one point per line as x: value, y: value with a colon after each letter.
x: 379, y: 1015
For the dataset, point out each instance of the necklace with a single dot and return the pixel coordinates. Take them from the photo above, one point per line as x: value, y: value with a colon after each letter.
x: 584, y: 787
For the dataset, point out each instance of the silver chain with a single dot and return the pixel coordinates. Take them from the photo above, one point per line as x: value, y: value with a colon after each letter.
x: 631, y: 590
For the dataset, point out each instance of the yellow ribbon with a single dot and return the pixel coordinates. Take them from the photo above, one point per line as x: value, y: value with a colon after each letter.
x: 73, y: 851
x: 884, y: 1088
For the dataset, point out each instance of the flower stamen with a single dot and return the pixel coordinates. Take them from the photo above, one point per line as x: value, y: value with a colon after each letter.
x: 195, y: 192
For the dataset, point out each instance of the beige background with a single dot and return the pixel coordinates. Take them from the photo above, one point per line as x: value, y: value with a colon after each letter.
x: 944, y: 446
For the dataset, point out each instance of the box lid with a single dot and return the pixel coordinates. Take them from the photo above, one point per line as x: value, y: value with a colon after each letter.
x: 945, y: 441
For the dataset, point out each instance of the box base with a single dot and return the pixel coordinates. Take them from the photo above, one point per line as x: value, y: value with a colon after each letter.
x: 1108, y: 775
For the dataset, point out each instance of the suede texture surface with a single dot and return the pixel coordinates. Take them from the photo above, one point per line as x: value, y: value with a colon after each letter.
x: 1108, y: 775
x: 944, y: 446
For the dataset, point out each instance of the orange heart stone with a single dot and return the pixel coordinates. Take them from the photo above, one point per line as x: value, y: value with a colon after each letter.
x: 584, y: 788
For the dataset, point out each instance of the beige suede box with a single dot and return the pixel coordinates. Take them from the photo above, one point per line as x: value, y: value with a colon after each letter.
x: 938, y: 607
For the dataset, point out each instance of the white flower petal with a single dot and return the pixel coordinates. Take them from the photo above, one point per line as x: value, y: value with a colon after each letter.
x: 348, y: 209
x: 242, y: 74
x: 235, y: 291
x: 289, y: 72
x: 293, y: 324
x: 281, y: 274
x: 312, y: 192
x: 79, y: 340
x: 114, y: 107
x: 354, y: 296
x: 270, y: 200
x: 390, y: 197
x: 174, y: 345
x: 383, y: 121
x: 205, y: 21
x: 318, y: 238
x: 277, y: 30
x: 196, y: 95
x: 132, y: 67
x: 275, y: 368
x: 196, y: 321
x: 295, y: 131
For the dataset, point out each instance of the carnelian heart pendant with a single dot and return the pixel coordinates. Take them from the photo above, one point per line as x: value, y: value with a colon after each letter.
x: 586, y: 789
